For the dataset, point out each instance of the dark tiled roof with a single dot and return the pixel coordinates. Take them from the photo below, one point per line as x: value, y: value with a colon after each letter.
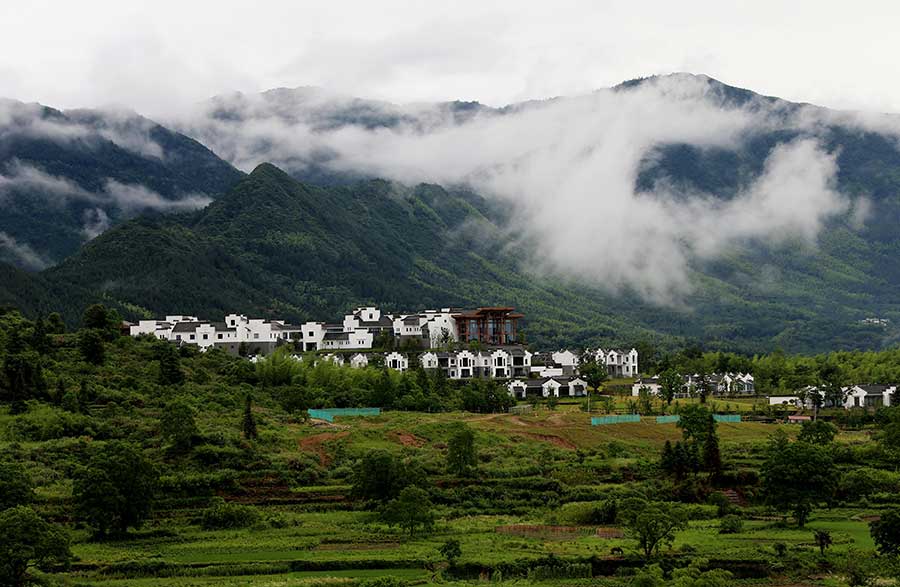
x: 187, y: 326
x: 337, y: 336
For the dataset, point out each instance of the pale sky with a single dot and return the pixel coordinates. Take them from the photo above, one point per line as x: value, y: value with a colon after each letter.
x: 159, y: 56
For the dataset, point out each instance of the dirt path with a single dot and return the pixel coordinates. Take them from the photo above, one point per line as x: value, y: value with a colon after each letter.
x: 407, y: 439
x: 314, y: 444
x: 558, y: 441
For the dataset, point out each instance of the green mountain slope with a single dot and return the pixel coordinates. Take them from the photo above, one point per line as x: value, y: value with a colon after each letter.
x: 66, y: 176
x: 276, y: 247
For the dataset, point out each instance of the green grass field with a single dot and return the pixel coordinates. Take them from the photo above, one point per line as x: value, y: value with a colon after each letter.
x: 325, y: 540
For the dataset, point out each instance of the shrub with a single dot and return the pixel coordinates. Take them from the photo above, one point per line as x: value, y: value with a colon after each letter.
x: 221, y: 515
x: 731, y: 524
x: 388, y: 581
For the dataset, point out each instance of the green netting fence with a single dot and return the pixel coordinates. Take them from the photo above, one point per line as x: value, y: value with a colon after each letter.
x: 330, y: 414
x: 734, y: 418
x: 667, y: 419
x: 615, y: 419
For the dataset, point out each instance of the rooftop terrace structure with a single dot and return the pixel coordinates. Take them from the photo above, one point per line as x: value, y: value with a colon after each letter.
x: 490, y: 325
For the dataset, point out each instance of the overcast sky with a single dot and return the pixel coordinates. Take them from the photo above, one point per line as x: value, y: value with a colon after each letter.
x: 158, y: 56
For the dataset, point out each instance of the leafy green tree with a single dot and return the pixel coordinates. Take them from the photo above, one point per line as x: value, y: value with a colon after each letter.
x: 411, y: 510
x: 91, y: 347
x: 97, y: 317
x: 177, y: 425
x: 651, y: 524
x: 114, y: 491
x: 451, y: 550
x: 817, y: 432
x: 29, y: 542
x: 593, y: 372
x: 833, y: 380
x: 694, y: 421
x: 462, y: 456
x: 885, y: 532
x: 670, y: 383
x: 822, y: 540
x: 712, y: 457
x: 55, y: 324
x: 15, y: 485
x: 248, y: 422
x: 169, y: 364
x: 797, y: 475
x: 40, y: 341
x: 380, y: 476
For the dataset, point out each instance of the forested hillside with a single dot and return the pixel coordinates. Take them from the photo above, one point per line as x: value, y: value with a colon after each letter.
x: 67, y: 176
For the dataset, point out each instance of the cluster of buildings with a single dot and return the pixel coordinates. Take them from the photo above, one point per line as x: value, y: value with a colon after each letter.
x: 439, y: 338
x: 854, y: 396
x: 358, y: 330
x: 716, y: 384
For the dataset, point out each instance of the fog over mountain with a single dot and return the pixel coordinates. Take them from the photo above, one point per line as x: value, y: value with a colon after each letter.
x: 570, y: 169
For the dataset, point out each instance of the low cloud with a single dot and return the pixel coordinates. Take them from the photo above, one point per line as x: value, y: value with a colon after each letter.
x: 121, y: 127
x: 20, y: 254
x: 566, y: 168
x: 115, y: 199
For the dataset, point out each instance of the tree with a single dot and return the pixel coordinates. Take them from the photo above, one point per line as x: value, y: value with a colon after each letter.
x: 90, y: 344
x: 652, y: 525
x: 114, y: 491
x: 797, y: 475
x: 694, y: 421
x: 380, y: 476
x: 28, y: 542
x: 169, y: 364
x: 817, y: 432
x: 248, y: 422
x: 411, y: 510
x: 670, y: 383
x: 822, y: 540
x: 55, y: 324
x: 39, y: 339
x: 833, y: 381
x: 712, y: 458
x: 462, y: 456
x: 15, y: 485
x: 593, y: 372
x: 885, y: 532
x: 451, y: 550
x: 177, y: 425
x: 96, y: 317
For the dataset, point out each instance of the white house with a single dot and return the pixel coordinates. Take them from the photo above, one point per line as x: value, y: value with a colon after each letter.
x: 517, y: 388
x: 359, y: 360
x: 396, y: 361
x: 649, y: 383
x: 619, y: 363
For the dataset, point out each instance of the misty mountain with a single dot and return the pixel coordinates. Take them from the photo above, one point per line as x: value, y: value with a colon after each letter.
x: 665, y: 208
x: 67, y: 176
x: 275, y: 247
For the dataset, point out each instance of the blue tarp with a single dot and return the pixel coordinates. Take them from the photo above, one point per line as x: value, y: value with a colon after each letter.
x: 620, y: 419
x: 332, y: 413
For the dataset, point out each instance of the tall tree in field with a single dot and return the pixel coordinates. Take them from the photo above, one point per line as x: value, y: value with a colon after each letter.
x: 462, y: 455
x: 29, y: 542
x: 411, y: 510
x: 115, y: 490
x: 177, y: 425
x: 670, y: 383
x: 796, y: 476
x: 248, y: 422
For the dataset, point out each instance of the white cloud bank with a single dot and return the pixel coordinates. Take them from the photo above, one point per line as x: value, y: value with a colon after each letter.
x: 567, y: 170
x: 114, y: 198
